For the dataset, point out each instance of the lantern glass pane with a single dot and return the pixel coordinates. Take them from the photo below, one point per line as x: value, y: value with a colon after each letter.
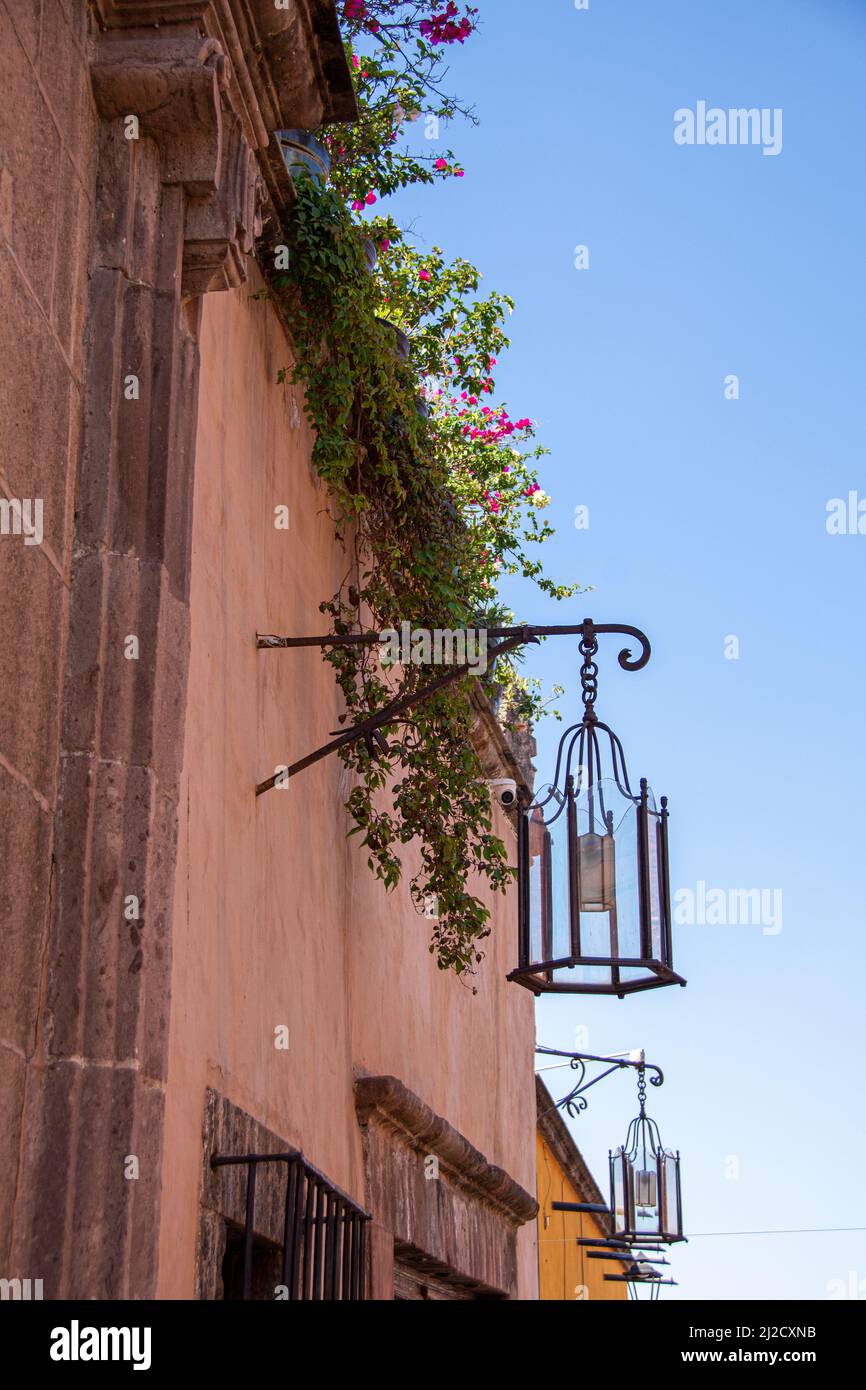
x: 669, y: 1173
x: 549, y: 933
x: 646, y: 1219
x: 655, y: 871
x: 610, y: 905
x: 618, y: 1171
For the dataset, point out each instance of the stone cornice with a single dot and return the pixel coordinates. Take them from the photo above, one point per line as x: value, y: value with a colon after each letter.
x: 385, y: 1101
x: 172, y: 81
x: 556, y: 1134
x: 286, y: 67
x: 493, y: 745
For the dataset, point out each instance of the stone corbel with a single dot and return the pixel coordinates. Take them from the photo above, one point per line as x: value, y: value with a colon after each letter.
x: 173, y: 87
x: 220, y: 232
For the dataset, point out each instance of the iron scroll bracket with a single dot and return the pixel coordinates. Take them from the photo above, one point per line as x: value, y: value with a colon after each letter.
x: 575, y: 1102
x: 507, y: 639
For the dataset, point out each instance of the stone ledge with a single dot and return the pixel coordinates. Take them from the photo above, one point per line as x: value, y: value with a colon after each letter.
x: 496, y: 748
x: 386, y: 1101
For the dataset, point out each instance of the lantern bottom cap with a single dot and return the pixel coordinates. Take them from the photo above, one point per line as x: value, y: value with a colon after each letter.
x: 541, y: 979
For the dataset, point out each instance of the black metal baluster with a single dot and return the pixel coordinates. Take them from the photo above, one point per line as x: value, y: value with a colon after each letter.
x: 353, y: 1278
x: 362, y: 1256
x: 319, y: 1226
x: 306, y: 1286
x: 290, y: 1229
x: 331, y: 1247
x: 345, y: 1281
x: 250, y: 1229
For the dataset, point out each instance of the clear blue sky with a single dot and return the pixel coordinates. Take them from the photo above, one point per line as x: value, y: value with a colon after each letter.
x: 707, y: 519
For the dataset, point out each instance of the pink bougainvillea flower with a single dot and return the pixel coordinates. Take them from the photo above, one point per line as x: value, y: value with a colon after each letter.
x: 371, y: 199
x: 447, y: 25
x: 441, y: 164
x: 354, y: 9
x: 358, y: 205
x: 459, y: 173
x: 424, y: 275
x: 384, y: 245
x: 356, y: 61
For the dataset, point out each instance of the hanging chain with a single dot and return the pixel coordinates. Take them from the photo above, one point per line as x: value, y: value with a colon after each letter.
x: 641, y: 1090
x: 588, y: 672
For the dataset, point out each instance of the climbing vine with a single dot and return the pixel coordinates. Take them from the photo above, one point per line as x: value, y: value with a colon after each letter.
x: 434, y: 485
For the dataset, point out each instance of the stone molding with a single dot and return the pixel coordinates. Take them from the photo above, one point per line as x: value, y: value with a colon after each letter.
x: 385, y: 1101
x: 499, y: 751
x: 174, y: 87
x: 288, y: 67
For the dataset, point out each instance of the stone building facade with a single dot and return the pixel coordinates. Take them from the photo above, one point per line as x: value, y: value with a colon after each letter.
x: 187, y: 971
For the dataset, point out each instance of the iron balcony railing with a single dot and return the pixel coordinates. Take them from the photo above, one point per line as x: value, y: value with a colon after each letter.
x: 324, y: 1231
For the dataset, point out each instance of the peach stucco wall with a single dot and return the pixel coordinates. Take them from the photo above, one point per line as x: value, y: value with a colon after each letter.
x: 277, y: 918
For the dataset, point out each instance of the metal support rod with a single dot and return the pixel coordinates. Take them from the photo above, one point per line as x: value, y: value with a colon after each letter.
x: 384, y: 717
x: 638, y: 1279
x: 646, y: 1250
x: 626, y: 1259
x: 597, y: 1208
x: 508, y: 638
x: 588, y: 628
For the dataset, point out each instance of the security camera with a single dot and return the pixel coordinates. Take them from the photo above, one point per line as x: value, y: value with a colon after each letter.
x: 505, y: 791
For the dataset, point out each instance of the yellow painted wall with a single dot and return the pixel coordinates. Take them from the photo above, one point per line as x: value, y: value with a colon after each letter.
x: 564, y: 1270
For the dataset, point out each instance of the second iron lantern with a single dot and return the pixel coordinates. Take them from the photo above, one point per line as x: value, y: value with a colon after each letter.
x: 645, y: 1194
x: 594, y: 893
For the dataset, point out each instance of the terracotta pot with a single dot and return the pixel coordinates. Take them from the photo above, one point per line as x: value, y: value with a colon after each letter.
x: 300, y: 149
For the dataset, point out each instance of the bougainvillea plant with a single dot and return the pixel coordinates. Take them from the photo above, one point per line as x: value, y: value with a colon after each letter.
x: 397, y: 49
x: 433, y: 482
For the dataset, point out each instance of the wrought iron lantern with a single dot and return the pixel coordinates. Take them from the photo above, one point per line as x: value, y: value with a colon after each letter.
x: 645, y: 1194
x: 594, y: 896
